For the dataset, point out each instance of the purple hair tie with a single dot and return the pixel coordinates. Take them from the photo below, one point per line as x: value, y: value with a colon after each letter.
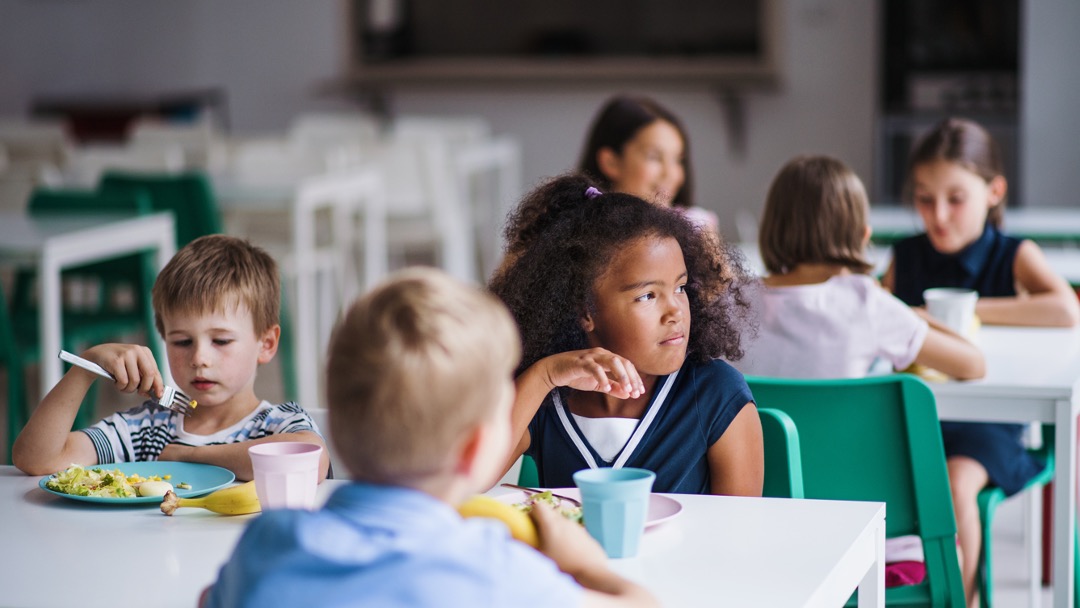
x: 592, y: 193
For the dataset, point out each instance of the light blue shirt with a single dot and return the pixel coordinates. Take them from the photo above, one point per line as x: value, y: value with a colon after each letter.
x: 386, y: 546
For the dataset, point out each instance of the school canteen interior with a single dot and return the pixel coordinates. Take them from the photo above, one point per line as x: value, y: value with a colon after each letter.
x: 264, y: 98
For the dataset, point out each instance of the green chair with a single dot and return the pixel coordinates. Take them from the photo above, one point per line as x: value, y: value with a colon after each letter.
x: 989, y: 500
x: 103, y: 320
x: 528, y: 476
x: 783, y: 457
x: 13, y: 360
x: 188, y: 195
x: 878, y: 439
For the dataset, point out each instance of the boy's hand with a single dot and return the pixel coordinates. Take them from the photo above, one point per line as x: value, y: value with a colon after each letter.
x: 595, y: 369
x: 567, y: 543
x: 133, y: 366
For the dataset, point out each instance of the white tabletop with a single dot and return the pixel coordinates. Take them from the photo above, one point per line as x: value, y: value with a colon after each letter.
x: 718, y: 551
x: 1032, y: 375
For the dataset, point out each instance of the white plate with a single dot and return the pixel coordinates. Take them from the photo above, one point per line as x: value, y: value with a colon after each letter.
x: 661, y: 508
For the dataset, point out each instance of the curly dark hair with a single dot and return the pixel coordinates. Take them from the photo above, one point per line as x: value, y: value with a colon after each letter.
x: 560, y: 242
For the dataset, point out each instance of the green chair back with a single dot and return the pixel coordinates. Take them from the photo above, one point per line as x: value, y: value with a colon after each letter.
x: 878, y: 439
x: 783, y: 459
x: 528, y: 476
x: 104, y: 321
x: 11, y: 359
x: 188, y: 195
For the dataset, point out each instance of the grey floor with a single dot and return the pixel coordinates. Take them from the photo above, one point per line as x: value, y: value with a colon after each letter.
x: 1010, y: 565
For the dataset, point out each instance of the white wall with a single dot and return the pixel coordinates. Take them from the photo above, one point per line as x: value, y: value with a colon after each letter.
x: 825, y: 104
x: 271, y: 54
x: 1050, y: 102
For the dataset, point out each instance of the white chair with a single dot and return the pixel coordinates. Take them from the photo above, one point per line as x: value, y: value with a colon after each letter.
x: 34, y: 150
x: 321, y: 263
x: 200, y: 144
x: 319, y: 130
x: 86, y: 164
x: 496, y: 164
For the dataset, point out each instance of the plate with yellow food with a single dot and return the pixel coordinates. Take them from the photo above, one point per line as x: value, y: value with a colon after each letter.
x: 135, y: 483
x: 661, y: 508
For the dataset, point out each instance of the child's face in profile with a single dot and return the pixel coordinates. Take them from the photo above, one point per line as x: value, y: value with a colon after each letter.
x: 213, y: 356
x: 953, y: 203
x: 650, y: 165
x: 642, y: 310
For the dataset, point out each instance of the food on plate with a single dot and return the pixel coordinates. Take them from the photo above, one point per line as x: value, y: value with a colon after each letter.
x: 563, y: 507
x: 236, y: 500
x: 153, y: 488
x: 520, y: 524
x: 95, y: 481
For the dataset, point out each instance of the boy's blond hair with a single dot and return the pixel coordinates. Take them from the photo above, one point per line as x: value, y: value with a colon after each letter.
x: 816, y: 212
x: 216, y: 273
x: 414, y: 366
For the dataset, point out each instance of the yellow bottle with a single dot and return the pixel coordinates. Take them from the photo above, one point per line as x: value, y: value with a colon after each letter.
x: 235, y: 500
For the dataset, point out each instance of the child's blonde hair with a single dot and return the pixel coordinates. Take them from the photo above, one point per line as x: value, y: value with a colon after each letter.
x: 215, y: 273
x: 816, y: 212
x: 414, y: 366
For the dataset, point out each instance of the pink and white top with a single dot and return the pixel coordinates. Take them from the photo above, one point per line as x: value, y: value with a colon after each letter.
x: 834, y: 329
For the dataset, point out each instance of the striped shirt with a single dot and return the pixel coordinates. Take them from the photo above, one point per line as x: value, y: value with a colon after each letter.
x: 139, y: 434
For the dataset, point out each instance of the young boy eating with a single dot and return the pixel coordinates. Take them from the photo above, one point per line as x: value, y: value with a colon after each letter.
x: 420, y: 391
x: 216, y: 305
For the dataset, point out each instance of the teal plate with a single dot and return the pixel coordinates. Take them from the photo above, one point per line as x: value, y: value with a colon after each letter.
x: 203, y: 478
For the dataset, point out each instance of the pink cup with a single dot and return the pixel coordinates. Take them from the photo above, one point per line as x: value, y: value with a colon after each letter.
x: 286, y: 474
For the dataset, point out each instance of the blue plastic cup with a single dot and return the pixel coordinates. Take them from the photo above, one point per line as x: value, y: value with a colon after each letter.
x: 615, y: 503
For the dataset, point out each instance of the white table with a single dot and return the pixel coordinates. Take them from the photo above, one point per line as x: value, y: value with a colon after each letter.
x: 719, y: 551
x: 1032, y: 375
x: 56, y: 242
x: 1038, y: 223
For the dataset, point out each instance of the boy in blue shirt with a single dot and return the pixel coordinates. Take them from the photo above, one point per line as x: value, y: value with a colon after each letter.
x: 420, y: 390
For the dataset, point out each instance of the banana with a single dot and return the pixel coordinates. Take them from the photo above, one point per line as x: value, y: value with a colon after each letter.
x: 236, y: 500
x: 520, y: 524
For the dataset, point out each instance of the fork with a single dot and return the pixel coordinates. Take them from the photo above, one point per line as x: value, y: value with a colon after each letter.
x: 573, y: 501
x: 171, y: 398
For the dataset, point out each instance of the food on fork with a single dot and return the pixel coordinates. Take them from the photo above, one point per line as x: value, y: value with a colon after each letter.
x: 560, y: 506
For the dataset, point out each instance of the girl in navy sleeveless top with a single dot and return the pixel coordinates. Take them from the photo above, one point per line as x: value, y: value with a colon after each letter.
x: 958, y: 186
x: 625, y: 308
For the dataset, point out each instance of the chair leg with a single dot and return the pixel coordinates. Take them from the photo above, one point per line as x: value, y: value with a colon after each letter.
x: 988, y: 501
x: 1033, y: 545
x: 16, y: 405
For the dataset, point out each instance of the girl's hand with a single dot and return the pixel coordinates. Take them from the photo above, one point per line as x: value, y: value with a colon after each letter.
x: 595, y: 369
x: 133, y: 367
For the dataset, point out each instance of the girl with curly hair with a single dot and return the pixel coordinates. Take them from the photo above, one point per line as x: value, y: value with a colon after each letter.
x: 624, y: 309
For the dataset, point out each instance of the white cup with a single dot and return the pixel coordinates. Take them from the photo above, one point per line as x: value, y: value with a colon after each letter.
x: 286, y: 474
x: 954, y: 307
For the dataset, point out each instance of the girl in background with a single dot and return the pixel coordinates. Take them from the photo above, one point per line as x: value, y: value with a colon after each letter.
x: 639, y: 147
x: 821, y: 315
x: 956, y: 180
x: 624, y: 308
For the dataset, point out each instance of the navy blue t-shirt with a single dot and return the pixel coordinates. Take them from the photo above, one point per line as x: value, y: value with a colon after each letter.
x: 689, y: 410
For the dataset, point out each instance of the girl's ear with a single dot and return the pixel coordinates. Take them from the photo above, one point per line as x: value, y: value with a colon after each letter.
x: 998, y: 188
x: 587, y: 324
x: 866, y: 235
x: 609, y: 164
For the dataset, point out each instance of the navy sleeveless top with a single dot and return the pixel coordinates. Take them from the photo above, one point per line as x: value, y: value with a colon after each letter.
x: 688, y: 411
x: 985, y: 266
